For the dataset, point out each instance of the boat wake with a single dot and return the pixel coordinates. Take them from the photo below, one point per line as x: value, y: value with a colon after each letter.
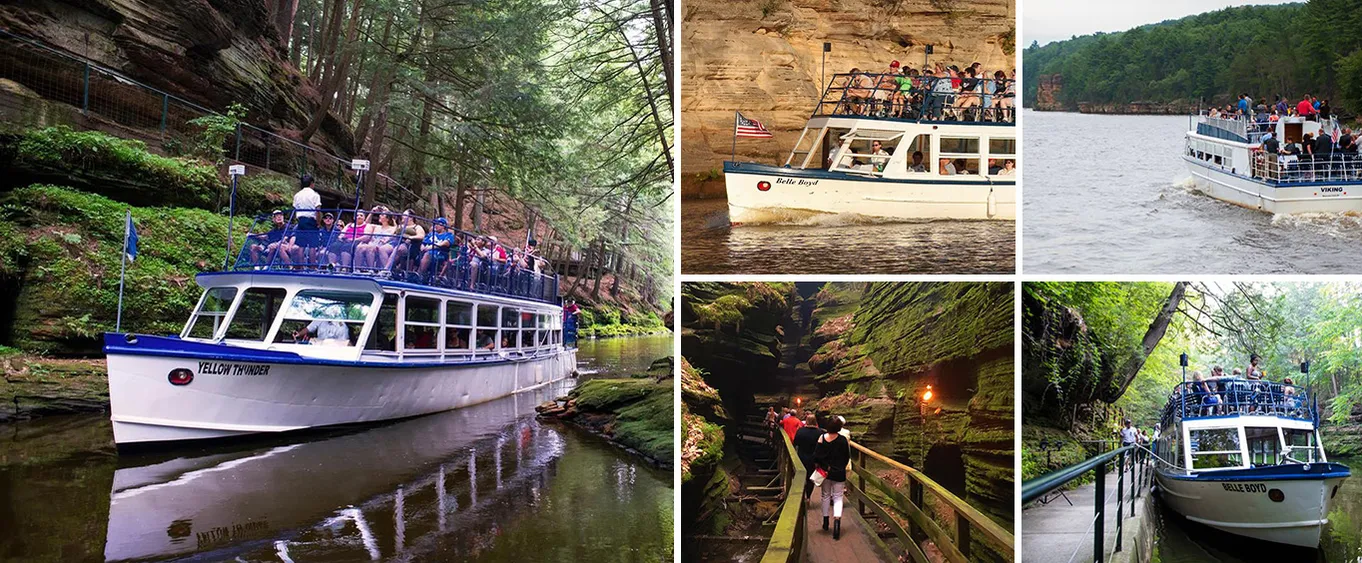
x: 1337, y: 225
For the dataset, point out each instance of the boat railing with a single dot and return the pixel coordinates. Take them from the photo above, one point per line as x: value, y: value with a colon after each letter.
x: 1132, y: 459
x: 926, y: 98
x: 398, y: 248
x: 1234, y: 396
x: 1337, y: 167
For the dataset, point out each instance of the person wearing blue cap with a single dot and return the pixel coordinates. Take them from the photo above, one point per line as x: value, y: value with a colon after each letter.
x: 435, y: 247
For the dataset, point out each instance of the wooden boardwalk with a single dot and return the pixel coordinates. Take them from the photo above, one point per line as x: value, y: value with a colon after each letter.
x: 856, y: 544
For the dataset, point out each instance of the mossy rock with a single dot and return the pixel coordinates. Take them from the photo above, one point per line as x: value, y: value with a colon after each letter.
x: 62, y: 251
x: 642, y: 410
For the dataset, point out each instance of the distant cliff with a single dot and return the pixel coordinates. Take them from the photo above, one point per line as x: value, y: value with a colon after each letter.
x: 764, y: 57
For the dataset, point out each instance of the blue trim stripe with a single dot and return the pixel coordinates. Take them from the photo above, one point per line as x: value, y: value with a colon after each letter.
x: 1318, y: 471
x: 756, y: 168
x: 174, y: 347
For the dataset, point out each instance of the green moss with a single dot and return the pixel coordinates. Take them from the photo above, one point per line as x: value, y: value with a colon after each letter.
x: 642, y: 409
x: 105, y: 163
x: 603, y: 321
x: 68, y: 265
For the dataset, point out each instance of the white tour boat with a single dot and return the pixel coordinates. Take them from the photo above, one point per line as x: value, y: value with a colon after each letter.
x: 967, y: 167
x: 1251, y: 464
x: 400, y: 345
x: 1227, y: 160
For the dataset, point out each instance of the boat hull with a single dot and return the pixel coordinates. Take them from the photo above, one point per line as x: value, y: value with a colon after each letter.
x: 234, y: 398
x: 1244, y: 506
x: 797, y: 195
x: 1315, y: 197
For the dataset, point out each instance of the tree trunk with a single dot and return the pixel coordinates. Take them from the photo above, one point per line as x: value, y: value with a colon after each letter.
x: 378, y: 93
x: 479, y: 200
x: 332, y: 82
x: 652, y: 103
x: 460, y: 196
x: 284, y: 12
x: 662, y: 18
x: 599, y: 271
x: 1151, y: 339
x: 418, y: 166
x: 329, y: 34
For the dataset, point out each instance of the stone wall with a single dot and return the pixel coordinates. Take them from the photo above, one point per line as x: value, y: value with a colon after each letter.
x: 764, y: 58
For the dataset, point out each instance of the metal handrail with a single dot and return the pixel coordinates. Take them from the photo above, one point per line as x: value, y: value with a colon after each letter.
x: 1238, y: 396
x: 1132, y: 458
x: 456, y: 269
x: 879, y: 95
x: 786, y: 543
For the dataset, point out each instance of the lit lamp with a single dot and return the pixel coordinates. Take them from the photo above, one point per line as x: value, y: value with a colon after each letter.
x: 927, y: 395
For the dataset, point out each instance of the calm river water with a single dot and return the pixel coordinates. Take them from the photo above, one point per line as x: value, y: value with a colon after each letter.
x: 1109, y: 194
x: 1181, y: 541
x: 841, y: 245
x: 484, y: 483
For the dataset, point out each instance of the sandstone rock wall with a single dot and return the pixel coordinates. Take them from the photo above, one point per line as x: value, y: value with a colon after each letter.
x: 1047, y: 93
x: 763, y: 57
x: 209, y: 52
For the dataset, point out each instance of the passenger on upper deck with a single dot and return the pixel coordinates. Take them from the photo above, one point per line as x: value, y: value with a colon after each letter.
x: 1253, y: 372
x: 382, y: 237
x: 408, y: 250
x: 305, y: 204
x: 351, y: 237
x: 1306, y: 107
x: 272, y: 242
x: 435, y: 247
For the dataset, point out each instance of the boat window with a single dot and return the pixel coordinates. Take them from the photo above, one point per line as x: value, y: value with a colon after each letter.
x: 486, y: 337
x: 959, y: 145
x: 1216, y: 448
x: 1300, y: 445
x: 422, y: 330
x: 459, y: 313
x: 212, y: 311
x: 459, y: 321
x: 383, y: 337
x: 1264, y: 445
x: 831, y: 142
x: 255, y: 313
x: 1002, y: 147
x: 510, y: 318
x: 324, y: 317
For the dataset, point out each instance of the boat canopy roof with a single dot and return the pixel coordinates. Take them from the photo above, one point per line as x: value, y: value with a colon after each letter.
x: 393, y: 247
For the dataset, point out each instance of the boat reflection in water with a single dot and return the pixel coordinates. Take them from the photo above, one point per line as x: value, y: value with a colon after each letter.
x: 444, y: 485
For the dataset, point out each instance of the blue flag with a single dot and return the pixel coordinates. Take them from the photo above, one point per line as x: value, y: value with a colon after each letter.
x: 131, y: 235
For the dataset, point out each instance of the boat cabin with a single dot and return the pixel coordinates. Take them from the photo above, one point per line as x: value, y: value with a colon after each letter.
x: 1232, y: 423
x: 349, y: 318
x: 897, y: 149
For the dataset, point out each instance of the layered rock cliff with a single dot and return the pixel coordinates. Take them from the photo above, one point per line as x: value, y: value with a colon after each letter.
x: 209, y: 52
x: 764, y: 58
x: 880, y: 346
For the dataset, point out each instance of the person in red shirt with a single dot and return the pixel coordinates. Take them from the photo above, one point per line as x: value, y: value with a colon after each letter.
x: 1305, y: 108
x: 791, y: 424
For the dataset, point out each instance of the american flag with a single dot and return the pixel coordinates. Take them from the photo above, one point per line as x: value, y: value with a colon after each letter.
x: 750, y: 128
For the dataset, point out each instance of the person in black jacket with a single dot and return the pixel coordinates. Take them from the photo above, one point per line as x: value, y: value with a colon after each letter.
x: 805, y: 440
x: 832, y: 454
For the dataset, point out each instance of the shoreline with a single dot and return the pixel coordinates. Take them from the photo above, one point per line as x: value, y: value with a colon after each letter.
x: 632, y: 413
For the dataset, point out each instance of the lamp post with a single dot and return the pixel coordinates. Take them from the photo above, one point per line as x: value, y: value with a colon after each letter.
x: 823, y: 70
x: 922, y: 406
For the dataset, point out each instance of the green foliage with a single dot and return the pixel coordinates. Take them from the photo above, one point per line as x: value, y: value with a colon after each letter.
x: 726, y: 310
x: 212, y: 141
x: 1265, y: 51
x: 69, y: 292
x: 96, y: 158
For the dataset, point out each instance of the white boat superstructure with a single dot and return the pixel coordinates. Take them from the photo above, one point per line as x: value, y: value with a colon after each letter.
x: 1229, y: 160
x: 853, y: 160
x: 278, y: 348
x: 1245, y: 457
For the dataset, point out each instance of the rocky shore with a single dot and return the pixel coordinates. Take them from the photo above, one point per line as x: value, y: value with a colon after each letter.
x: 632, y: 413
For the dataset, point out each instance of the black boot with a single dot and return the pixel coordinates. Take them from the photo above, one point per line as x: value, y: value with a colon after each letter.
x: 837, y: 529
x: 825, y: 522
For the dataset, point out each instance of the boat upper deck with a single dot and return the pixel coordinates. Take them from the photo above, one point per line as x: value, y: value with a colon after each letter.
x: 1232, y: 397
x: 393, y: 246
x: 1299, y: 151
x: 914, y: 97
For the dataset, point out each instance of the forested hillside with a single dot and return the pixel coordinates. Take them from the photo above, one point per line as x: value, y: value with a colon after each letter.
x: 1264, y: 51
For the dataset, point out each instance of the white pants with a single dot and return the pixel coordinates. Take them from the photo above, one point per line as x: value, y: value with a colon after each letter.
x: 832, y: 495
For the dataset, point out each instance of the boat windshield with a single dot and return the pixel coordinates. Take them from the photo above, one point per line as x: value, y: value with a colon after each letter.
x: 212, y: 312
x: 1215, y: 448
x: 325, y: 317
x: 1301, y: 446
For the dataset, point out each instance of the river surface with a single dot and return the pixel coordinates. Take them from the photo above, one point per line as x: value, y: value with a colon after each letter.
x: 838, y: 244
x: 1109, y: 194
x: 1181, y: 541
x: 483, y: 483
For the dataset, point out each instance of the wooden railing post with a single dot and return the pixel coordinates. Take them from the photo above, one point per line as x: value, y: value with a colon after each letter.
x: 915, y: 498
x: 860, y: 482
x: 962, y: 533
